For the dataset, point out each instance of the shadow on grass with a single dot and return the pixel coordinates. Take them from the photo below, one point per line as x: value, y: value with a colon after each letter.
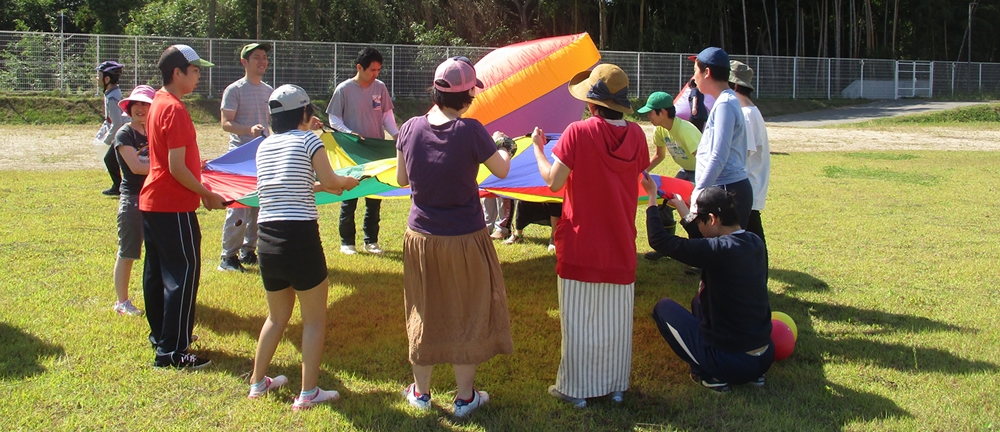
x: 21, y: 353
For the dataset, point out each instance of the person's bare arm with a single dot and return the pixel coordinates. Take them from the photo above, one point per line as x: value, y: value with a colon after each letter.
x: 132, y: 160
x: 401, y: 177
x: 329, y: 181
x: 555, y: 175
x: 229, y: 125
x: 186, y: 178
x: 660, y: 156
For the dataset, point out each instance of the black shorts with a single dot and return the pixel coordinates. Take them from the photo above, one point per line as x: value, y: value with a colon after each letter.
x: 290, y: 254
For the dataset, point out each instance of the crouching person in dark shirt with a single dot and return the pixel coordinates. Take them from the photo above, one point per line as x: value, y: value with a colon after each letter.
x: 726, y: 338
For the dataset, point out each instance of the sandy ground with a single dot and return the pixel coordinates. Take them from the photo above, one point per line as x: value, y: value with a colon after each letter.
x: 65, y: 148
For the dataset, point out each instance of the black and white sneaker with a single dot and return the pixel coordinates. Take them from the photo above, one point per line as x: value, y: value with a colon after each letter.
x: 759, y: 382
x: 186, y: 362
x: 231, y: 264
x: 715, y: 385
x: 249, y: 258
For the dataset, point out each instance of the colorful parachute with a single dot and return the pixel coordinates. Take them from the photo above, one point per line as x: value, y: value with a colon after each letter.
x: 525, y: 84
x: 234, y: 174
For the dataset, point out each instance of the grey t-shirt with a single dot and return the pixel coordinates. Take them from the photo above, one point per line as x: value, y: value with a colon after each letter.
x: 250, y: 103
x: 361, y: 108
x: 112, y: 116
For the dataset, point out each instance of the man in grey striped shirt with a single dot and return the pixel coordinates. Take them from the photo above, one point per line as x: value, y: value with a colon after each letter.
x: 245, y: 116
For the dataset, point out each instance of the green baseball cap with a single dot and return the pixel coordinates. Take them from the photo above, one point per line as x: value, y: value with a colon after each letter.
x: 248, y: 48
x: 658, y: 100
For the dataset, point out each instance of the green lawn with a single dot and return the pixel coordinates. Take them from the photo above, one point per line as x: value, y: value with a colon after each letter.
x: 887, y: 261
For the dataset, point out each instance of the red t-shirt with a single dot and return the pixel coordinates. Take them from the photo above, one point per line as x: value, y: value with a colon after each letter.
x: 169, y: 127
x: 595, y: 237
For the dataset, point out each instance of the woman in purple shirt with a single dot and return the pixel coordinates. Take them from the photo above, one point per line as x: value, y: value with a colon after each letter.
x: 456, y: 301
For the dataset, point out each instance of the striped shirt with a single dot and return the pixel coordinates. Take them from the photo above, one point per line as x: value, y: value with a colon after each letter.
x: 285, y: 177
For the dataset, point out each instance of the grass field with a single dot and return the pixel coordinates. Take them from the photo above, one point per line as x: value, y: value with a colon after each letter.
x: 886, y: 260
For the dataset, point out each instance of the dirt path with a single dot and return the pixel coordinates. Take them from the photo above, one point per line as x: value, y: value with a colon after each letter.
x: 66, y: 148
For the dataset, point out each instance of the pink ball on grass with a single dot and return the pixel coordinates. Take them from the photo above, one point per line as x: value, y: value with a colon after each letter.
x: 783, y: 339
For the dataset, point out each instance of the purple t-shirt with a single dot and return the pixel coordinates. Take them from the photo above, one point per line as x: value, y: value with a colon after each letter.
x: 442, y: 163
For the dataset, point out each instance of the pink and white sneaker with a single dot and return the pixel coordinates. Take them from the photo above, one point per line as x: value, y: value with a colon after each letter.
x: 269, y: 384
x: 304, y: 403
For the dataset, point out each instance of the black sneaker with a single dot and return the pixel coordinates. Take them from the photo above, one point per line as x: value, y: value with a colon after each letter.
x: 693, y: 271
x: 653, y: 255
x: 759, y: 382
x: 186, y: 362
x: 249, y: 258
x: 715, y: 385
x: 112, y: 191
x: 231, y: 264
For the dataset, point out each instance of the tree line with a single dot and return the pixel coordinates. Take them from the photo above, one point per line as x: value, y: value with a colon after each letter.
x: 900, y: 29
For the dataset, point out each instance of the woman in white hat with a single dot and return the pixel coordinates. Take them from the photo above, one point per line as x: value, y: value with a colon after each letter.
x: 132, y: 151
x: 456, y: 300
x: 598, y: 160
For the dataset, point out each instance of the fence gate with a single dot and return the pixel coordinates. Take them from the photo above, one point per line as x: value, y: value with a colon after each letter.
x: 914, y: 79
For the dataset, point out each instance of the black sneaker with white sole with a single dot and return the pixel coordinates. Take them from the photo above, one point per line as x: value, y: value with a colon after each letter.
x: 249, y: 258
x: 231, y: 264
x: 715, y: 385
x: 759, y: 382
x: 185, y: 362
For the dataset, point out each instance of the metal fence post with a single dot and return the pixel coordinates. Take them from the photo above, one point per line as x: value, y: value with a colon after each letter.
x: 829, y: 78
x: 274, y: 70
x: 895, y: 80
x: 756, y: 76
x: 980, y: 77
x: 135, y: 58
x: 680, y: 72
x: 392, y: 73
x: 210, y: 70
x: 795, y: 76
x: 862, y: 79
x: 930, y: 91
x: 638, y: 75
x: 953, y: 79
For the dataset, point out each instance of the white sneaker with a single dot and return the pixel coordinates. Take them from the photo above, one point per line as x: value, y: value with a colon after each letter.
x: 422, y: 402
x: 348, y: 249
x: 270, y: 384
x: 373, y: 248
x: 463, y: 408
x: 552, y: 247
x: 320, y: 397
x: 127, y: 308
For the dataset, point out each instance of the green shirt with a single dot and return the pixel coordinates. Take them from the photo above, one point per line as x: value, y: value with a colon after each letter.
x: 681, y: 142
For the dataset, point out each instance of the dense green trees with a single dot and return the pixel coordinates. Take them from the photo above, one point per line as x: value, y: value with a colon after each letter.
x: 905, y: 29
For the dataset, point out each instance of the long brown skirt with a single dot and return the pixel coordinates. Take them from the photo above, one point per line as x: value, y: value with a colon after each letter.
x: 456, y: 301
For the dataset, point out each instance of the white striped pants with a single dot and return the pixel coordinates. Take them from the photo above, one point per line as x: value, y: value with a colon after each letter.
x: 596, y: 322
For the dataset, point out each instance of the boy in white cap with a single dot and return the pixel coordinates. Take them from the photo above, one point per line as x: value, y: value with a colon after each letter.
x: 169, y: 198
x: 245, y: 117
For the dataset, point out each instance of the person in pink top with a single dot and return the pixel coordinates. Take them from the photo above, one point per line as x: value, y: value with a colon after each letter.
x: 597, y: 164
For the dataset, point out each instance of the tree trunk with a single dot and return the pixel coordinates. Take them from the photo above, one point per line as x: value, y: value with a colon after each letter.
x: 604, y: 24
x: 767, y: 26
x: 895, y: 20
x: 296, y: 20
x: 642, y: 15
x: 211, y: 19
x: 869, y: 28
x: 798, y: 28
x: 258, y: 19
x: 746, y: 39
x: 836, y: 38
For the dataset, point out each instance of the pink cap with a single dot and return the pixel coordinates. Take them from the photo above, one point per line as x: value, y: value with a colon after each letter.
x: 143, y: 93
x: 456, y: 75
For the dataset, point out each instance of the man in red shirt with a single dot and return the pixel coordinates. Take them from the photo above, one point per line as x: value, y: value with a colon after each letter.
x: 169, y: 198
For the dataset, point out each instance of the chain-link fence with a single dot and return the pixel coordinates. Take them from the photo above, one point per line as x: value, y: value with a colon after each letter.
x: 47, y: 62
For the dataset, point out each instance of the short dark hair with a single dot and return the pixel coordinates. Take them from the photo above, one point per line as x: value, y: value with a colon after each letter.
x: 717, y: 201
x: 745, y: 91
x: 285, y: 121
x: 456, y: 101
x: 671, y: 111
x: 368, y: 55
x: 717, y: 73
x: 129, y: 105
x: 607, y: 113
x: 114, y: 75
